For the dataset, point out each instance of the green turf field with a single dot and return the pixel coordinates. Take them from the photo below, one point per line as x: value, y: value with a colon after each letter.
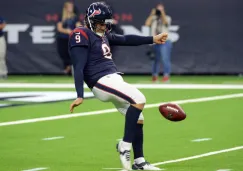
x: 87, y: 142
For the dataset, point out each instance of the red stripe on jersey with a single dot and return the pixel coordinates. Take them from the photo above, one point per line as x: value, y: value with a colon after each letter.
x: 81, y: 32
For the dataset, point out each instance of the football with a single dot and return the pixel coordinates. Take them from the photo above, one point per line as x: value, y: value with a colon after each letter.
x: 172, y: 112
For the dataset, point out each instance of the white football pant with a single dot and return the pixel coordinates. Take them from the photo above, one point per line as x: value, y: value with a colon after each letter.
x: 112, y: 88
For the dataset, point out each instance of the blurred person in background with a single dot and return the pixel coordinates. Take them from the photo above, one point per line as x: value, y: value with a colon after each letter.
x: 159, y: 22
x: 3, y: 66
x: 75, y: 9
x: 68, y: 20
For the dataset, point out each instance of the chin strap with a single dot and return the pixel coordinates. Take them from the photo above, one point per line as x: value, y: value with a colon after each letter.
x: 100, y: 34
x: 90, y: 24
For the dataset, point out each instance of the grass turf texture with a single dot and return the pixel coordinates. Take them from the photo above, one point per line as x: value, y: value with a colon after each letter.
x: 89, y: 143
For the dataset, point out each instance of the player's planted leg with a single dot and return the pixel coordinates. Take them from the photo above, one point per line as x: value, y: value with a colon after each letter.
x: 124, y: 146
x: 138, y: 143
x: 139, y: 161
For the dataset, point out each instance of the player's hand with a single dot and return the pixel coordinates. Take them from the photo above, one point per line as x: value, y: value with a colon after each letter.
x: 153, y: 12
x: 76, y: 103
x: 160, y: 38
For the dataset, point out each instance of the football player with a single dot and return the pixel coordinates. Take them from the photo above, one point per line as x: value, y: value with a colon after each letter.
x: 89, y: 48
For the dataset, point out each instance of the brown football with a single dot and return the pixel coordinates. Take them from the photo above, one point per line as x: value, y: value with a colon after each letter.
x: 172, y: 112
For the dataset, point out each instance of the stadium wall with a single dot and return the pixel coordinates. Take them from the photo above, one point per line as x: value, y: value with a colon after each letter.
x: 207, y: 35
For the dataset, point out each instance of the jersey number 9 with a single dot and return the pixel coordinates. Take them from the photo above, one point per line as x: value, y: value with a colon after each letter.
x: 77, y: 38
x: 106, y: 51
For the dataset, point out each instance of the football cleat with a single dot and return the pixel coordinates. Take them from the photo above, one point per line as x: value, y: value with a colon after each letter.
x: 144, y: 166
x: 124, y: 156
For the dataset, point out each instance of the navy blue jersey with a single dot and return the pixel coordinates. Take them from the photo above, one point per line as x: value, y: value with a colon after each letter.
x: 99, y: 62
x: 1, y: 22
x: 91, y: 55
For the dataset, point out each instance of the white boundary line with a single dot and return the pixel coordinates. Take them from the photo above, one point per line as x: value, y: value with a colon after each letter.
x: 140, y: 86
x: 191, y: 158
x: 199, y: 156
x: 65, y: 116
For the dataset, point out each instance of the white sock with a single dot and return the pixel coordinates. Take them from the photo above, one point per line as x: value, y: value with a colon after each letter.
x: 126, y: 145
x: 139, y: 160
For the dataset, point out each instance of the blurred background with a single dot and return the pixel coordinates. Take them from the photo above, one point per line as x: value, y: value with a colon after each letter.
x: 206, y: 35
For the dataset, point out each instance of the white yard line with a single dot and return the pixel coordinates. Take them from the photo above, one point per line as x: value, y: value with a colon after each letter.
x: 52, y: 138
x: 65, y: 116
x: 140, y: 86
x: 187, y: 86
x: 36, y: 85
x: 36, y: 169
x: 200, y: 156
x: 192, y: 157
x: 201, y: 139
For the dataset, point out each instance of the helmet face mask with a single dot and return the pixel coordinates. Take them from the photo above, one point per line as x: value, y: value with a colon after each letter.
x: 98, y: 13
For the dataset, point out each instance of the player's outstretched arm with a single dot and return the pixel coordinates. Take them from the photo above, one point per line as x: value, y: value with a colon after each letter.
x: 135, y: 40
x: 160, y: 38
x: 79, y: 57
